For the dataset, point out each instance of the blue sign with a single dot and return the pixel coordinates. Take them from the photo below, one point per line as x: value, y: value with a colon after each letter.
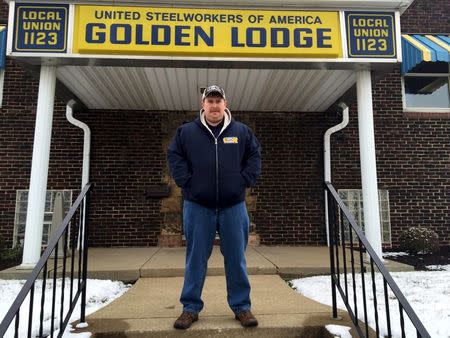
x: 40, y: 28
x: 370, y: 34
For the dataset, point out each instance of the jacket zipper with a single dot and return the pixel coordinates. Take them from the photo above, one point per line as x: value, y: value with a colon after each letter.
x: 217, y: 176
x: 217, y: 168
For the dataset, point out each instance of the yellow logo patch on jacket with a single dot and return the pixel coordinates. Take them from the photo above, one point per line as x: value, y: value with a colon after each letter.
x: 233, y: 139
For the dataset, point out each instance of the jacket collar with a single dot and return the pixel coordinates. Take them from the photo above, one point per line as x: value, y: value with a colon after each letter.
x: 227, y: 116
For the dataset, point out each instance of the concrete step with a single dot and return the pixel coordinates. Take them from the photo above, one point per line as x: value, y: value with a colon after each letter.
x: 131, y: 263
x: 151, y: 305
x: 218, y: 326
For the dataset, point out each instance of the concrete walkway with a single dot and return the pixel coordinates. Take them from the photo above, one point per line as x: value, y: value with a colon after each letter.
x: 128, y: 264
x: 151, y: 306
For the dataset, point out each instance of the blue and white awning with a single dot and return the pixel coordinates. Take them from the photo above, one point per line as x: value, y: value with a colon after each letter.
x: 418, y: 48
x: 2, y: 46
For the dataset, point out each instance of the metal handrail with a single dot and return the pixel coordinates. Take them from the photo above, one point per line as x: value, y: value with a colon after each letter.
x: 81, y: 209
x: 374, y: 259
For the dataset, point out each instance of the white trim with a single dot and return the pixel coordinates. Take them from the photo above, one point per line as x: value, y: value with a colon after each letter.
x: 343, y: 34
x: 70, y: 27
x: 2, y: 81
x: 398, y: 37
x: 389, y: 217
x: 16, y: 212
x: 10, y: 27
x: 403, y: 93
x: 427, y: 74
x: 426, y: 110
x: 48, y: 57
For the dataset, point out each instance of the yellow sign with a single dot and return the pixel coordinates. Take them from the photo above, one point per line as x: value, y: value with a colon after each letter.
x: 230, y: 140
x: 206, y: 32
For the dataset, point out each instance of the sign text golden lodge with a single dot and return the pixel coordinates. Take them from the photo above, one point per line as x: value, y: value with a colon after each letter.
x: 116, y: 30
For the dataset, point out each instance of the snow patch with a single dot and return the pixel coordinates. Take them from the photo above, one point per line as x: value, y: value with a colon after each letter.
x: 395, y: 254
x: 82, y: 325
x: 99, y: 294
x: 428, y: 292
x: 439, y: 267
x: 339, y: 330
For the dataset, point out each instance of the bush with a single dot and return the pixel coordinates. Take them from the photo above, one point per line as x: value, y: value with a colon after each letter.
x: 419, y: 240
x: 7, y: 254
x: 11, y: 253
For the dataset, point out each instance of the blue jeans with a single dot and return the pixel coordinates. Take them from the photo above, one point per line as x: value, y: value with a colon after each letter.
x: 200, y: 224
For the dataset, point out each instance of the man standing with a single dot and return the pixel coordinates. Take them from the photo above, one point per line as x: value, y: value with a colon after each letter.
x: 214, y: 159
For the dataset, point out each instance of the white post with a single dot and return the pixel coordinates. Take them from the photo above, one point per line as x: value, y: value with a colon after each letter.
x: 368, y: 161
x: 39, y: 168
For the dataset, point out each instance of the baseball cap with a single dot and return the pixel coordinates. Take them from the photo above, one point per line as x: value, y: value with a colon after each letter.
x: 213, y: 89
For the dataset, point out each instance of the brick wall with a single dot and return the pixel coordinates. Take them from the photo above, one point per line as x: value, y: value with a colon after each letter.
x: 17, y: 121
x: 412, y: 150
x: 290, y: 193
x: 3, y: 12
x: 426, y: 17
x: 128, y: 154
x: 126, y: 157
x: 413, y: 161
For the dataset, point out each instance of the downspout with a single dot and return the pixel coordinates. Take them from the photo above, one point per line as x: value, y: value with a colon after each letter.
x: 343, y: 108
x: 86, y: 152
x: 86, y: 144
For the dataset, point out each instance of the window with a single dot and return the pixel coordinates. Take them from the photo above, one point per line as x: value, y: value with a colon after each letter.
x: 354, y: 201
x: 21, y: 213
x: 427, y: 88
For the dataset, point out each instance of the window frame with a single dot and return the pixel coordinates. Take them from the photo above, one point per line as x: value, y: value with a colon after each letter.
x: 424, y: 109
x: 46, y: 213
x: 360, y: 217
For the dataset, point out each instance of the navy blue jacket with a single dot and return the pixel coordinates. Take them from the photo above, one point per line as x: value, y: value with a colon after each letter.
x: 214, y: 172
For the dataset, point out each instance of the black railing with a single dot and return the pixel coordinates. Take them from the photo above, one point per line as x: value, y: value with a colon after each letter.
x: 77, y: 220
x: 337, y: 236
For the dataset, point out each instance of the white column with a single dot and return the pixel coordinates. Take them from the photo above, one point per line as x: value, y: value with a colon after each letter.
x: 39, y: 168
x: 368, y: 160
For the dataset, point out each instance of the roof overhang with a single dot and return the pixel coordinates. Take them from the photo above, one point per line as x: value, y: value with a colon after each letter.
x: 96, y: 75
x: 160, y: 88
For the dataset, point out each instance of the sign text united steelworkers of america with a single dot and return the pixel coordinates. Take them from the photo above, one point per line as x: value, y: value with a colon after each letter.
x: 141, y: 30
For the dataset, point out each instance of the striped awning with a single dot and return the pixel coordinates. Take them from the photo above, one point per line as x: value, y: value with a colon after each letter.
x: 2, y: 46
x: 418, y: 48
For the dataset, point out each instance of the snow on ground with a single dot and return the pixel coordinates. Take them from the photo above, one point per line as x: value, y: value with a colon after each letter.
x: 439, y: 267
x: 339, y: 330
x: 394, y: 254
x: 428, y: 292
x: 99, y: 294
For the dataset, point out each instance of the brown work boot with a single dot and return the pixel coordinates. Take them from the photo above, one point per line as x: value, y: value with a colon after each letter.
x: 185, y: 320
x: 246, y: 318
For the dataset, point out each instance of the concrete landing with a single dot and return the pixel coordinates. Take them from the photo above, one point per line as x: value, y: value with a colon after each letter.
x: 150, y: 307
x: 128, y: 264
x: 169, y: 262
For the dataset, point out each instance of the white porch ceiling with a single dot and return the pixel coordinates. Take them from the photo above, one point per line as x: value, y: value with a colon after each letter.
x: 139, y: 88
